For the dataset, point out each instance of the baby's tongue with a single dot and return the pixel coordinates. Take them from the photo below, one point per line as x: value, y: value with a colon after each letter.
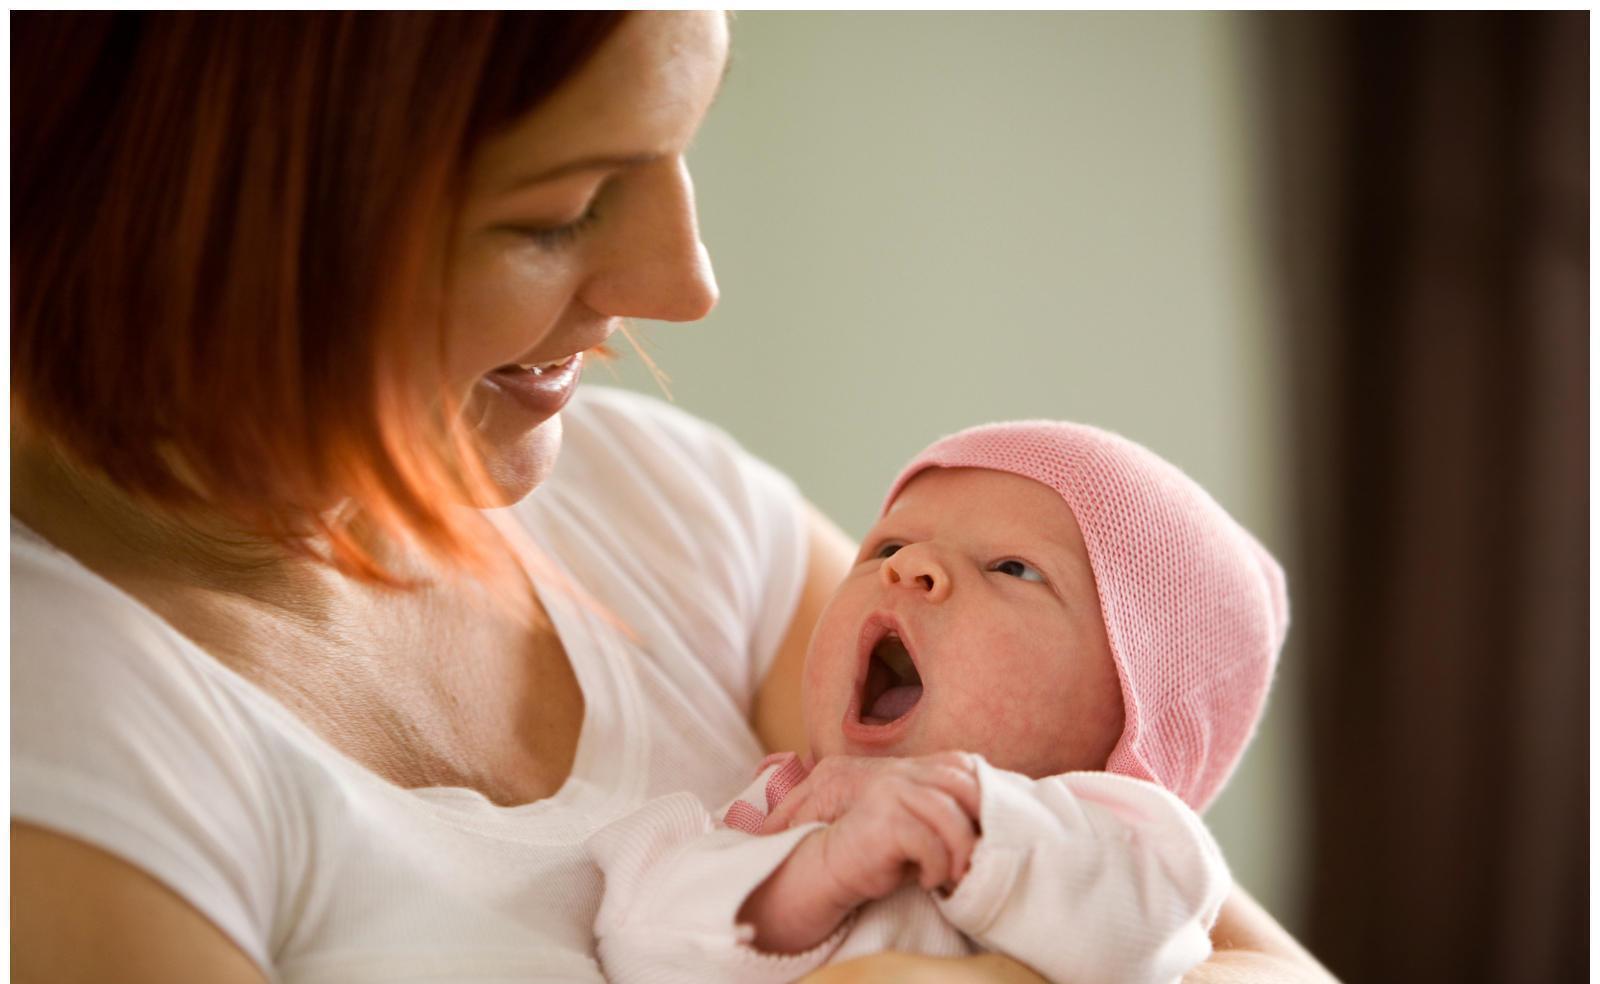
x: 895, y: 702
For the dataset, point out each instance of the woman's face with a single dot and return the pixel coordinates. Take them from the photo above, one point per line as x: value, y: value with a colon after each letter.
x: 578, y: 216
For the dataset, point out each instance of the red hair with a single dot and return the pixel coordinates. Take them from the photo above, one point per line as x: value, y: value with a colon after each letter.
x: 228, y: 234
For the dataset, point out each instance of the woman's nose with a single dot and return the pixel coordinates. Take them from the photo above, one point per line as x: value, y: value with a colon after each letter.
x: 917, y: 567
x: 654, y: 265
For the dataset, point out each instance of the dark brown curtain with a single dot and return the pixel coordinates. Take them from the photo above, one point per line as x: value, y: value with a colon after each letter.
x: 1433, y: 220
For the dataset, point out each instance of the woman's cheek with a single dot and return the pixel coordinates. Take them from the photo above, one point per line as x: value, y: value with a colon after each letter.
x: 505, y: 302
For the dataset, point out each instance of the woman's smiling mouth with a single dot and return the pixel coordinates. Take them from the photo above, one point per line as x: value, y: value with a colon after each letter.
x: 542, y: 389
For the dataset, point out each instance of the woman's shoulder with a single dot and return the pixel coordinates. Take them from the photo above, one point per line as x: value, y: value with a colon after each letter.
x: 666, y: 516
x: 62, y: 613
x: 607, y: 428
x: 97, y: 678
x: 633, y: 462
x: 120, y: 738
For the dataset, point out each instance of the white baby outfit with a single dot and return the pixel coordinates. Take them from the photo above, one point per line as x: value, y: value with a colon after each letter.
x: 1087, y: 877
x: 126, y: 736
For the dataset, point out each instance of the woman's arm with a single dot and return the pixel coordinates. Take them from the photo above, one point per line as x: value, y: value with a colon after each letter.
x: 776, y: 715
x: 1248, y: 946
x: 906, y: 968
x: 88, y: 916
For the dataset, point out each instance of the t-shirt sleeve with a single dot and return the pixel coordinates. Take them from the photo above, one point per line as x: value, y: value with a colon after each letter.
x: 119, y: 740
x: 724, y: 534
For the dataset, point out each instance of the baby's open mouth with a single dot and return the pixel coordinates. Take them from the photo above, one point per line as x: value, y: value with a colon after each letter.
x: 893, y: 685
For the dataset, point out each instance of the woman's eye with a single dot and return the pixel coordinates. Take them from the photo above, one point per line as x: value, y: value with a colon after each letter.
x: 556, y: 237
x: 1018, y: 568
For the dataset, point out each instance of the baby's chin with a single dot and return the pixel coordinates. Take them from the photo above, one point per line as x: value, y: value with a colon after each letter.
x: 834, y: 742
x: 1036, y: 763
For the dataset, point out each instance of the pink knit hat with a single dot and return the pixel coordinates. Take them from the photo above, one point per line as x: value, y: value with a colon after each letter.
x: 1195, y: 608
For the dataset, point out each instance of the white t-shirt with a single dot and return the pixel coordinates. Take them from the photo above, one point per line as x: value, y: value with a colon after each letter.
x: 127, y: 736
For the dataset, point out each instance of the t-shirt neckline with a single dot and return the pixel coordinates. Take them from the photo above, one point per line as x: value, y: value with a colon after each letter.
x: 606, y: 682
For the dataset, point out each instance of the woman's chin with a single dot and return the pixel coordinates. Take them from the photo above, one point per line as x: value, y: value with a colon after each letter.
x: 517, y: 447
x: 517, y: 465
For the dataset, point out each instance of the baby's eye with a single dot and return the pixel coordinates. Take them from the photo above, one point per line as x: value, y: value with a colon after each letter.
x: 1018, y: 568
x: 887, y: 550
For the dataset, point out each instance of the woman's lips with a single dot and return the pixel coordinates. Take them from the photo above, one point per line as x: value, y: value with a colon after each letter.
x: 541, y: 393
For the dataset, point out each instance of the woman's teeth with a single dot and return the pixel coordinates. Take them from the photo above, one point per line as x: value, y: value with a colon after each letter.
x: 540, y: 368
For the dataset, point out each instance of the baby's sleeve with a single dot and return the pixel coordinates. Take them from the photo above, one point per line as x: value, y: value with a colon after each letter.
x: 1090, y: 876
x: 675, y: 879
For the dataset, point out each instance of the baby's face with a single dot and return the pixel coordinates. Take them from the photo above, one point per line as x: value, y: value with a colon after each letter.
x: 969, y: 621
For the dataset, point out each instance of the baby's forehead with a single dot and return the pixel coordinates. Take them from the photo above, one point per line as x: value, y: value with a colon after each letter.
x: 984, y: 495
x: 990, y: 501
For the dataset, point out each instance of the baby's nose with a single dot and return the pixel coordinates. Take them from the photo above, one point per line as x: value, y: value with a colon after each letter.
x: 915, y: 566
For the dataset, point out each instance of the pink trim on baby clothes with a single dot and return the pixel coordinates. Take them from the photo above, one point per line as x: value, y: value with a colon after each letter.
x: 784, y: 771
x: 782, y: 782
x: 742, y: 816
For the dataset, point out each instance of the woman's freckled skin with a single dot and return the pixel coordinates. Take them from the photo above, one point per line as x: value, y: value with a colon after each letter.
x: 1019, y: 671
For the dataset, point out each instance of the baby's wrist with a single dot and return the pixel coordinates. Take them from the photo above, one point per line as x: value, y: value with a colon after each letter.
x: 799, y: 905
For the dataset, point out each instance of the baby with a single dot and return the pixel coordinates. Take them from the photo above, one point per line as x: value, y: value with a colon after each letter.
x: 1049, y: 655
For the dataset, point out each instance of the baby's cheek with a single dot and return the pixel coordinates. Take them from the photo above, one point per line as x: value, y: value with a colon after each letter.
x: 813, y: 687
x: 826, y: 659
x: 1011, y: 706
x: 826, y: 683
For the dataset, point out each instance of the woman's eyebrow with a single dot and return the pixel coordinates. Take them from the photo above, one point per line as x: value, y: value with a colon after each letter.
x: 606, y: 162
x: 597, y: 162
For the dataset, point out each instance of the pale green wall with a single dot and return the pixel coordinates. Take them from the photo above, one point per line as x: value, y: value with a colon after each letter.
x: 925, y: 221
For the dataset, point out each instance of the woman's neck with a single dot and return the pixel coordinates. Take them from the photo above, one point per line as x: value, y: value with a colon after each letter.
x: 131, y: 544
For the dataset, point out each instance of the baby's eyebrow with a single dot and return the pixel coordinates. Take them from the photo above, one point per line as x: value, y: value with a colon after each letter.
x: 1062, y: 558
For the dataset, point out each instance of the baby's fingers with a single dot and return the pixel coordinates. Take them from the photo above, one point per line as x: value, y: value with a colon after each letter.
x: 953, y: 772
x: 824, y: 794
x: 778, y: 819
x: 949, y: 821
x: 921, y: 845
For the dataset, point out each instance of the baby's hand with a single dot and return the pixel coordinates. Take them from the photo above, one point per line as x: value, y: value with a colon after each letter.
x: 886, y: 816
x: 898, y: 825
x: 839, y: 782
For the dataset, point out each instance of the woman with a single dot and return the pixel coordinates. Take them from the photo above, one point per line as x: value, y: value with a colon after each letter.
x: 267, y: 269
